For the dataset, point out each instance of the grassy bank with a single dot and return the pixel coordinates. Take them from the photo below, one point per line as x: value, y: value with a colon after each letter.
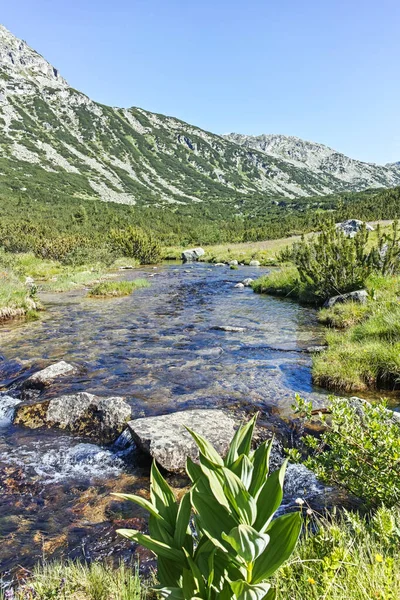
x: 343, y: 557
x: 109, y: 289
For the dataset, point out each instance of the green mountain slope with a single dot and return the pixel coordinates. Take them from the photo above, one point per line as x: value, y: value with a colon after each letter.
x: 56, y: 142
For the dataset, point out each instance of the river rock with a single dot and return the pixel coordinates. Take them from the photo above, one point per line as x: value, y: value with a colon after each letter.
x: 352, y: 226
x: 359, y: 296
x: 192, y: 255
x: 46, y: 376
x: 247, y: 282
x: 219, y: 264
x: 254, y: 263
x: 169, y: 443
x: 100, y: 418
x: 229, y: 328
x: 239, y: 285
x: 233, y: 263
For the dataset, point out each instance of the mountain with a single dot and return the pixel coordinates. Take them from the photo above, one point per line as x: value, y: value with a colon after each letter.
x: 58, y: 143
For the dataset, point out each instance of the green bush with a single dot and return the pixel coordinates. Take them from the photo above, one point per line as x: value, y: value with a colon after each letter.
x: 359, y: 449
x: 233, y: 546
x: 136, y: 243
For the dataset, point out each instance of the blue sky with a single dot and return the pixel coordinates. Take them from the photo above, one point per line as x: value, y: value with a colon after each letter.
x: 326, y: 71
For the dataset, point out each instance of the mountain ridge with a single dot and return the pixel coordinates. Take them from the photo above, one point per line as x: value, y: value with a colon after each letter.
x: 55, y: 139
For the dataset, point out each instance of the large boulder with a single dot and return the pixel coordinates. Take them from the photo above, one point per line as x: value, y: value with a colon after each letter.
x: 352, y: 226
x: 169, y: 443
x: 99, y: 418
x: 192, y: 255
x: 359, y: 296
x: 45, y: 377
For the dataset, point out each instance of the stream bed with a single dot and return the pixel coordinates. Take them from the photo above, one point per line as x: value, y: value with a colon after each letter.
x: 161, y: 349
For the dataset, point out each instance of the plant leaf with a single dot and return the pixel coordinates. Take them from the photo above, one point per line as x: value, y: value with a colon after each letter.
x: 247, y: 542
x: 284, y: 533
x: 162, y: 496
x: 159, y: 548
x: 269, y: 498
x: 206, y: 448
x: 249, y: 591
x: 260, y: 460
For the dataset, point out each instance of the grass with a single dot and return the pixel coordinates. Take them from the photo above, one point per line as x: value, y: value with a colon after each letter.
x: 106, y: 289
x: 15, y: 298
x: 283, y: 282
x: 265, y: 252
x: 365, y: 353
x: 349, y: 558
x: 79, y: 581
x: 339, y: 557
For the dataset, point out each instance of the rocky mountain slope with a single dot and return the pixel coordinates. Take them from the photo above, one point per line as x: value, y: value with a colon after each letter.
x: 55, y: 141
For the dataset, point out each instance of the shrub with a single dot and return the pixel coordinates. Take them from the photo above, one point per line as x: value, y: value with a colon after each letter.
x: 233, y: 546
x: 136, y: 243
x: 359, y: 449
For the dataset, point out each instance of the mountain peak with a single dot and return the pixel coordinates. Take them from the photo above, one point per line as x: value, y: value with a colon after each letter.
x: 20, y: 60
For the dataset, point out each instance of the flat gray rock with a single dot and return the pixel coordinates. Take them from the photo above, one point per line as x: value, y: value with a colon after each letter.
x: 169, y: 443
x: 46, y: 376
x: 192, y: 255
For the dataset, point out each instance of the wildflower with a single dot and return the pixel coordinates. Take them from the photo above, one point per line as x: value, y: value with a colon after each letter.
x: 378, y: 557
x: 309, y: 511
x: 299, y: 501
x: 311, y: 581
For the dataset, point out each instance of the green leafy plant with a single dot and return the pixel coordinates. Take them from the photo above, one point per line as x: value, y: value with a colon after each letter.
x: 358, y: 450
x: 232, y: 546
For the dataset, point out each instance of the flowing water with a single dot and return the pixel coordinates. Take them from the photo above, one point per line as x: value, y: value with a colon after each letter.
x: 160, y: 348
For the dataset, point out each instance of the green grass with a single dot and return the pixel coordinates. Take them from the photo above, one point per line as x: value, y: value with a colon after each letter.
x: 106, y: 289
x: 15, y: 299
x: 79, y: 581
x: 366, y: 352
x: 349, y: 558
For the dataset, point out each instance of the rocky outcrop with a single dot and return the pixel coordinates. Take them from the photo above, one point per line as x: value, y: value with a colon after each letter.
x: 359, y: 296
x: 192, y: 255
x: 352, y: 226
x: 99, y: 418
x: 45, y: 377
x: 166, y: 439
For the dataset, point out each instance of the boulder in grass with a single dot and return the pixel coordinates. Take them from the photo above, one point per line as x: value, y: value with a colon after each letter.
x: 247, y: 282
x: 99, y: 418
x: 166, y: 439
x: 192, y: 255
x: 352, y: 226
x: 45, y: 377
x: 254, y: 263
x: 359, y: 296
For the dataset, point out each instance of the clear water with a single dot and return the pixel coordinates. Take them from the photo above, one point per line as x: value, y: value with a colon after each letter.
x: 159, y: 348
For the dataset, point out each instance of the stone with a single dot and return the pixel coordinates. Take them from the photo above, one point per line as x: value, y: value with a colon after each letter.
x: 352, y: 226
x: 192, y: 255
x: 46, y: 376
x: 359, y: 403
x: 166, y: 440
x: 254, y: 263
x: 228, y: 328
x: 99, y: 418
x: 239, y: 285
x: 219, y: 264
x: 233, y: 263
x: 315, y: 349
x: 247, y: 282
x: 359, y: 296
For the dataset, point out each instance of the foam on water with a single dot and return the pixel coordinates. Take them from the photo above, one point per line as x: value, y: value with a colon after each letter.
x: 7, y: 407
x: 53, y: 462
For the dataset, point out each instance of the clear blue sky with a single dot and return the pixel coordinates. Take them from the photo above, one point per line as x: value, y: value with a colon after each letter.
x: 324, y: 70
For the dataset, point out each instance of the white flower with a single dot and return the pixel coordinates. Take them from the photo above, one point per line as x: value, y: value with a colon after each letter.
x: 299, y: 501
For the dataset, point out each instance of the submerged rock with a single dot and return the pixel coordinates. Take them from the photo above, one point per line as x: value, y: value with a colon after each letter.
x: 359, y: 296
x: 99, y: 418
x: 192, y: 255
x: 239, y: 285
x: 45, y: 377
x: 169, y: 443
x: 228, y: 328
